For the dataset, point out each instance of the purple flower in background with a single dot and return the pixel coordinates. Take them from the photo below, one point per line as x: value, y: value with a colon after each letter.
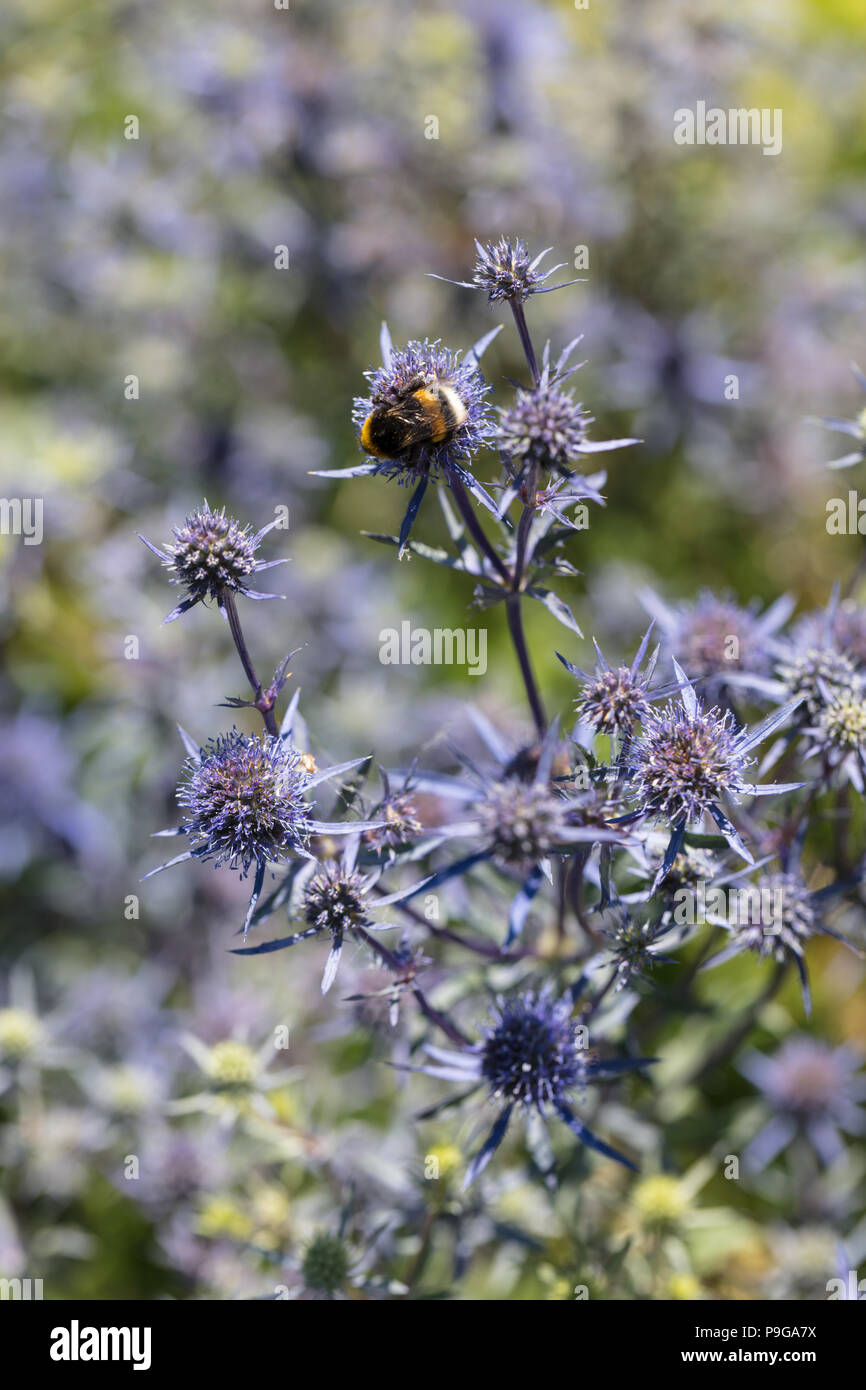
x: 814, y: 1091
x: 716, y: 636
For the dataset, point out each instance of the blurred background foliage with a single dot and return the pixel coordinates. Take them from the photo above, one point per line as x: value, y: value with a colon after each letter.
x: 154, y: 257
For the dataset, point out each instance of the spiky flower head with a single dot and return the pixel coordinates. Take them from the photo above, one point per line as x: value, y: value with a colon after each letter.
x: 781, y: 916
x: 530, y: 1054
x: 244, y: 801
x: 631, y: 942
x: 843, y: 626
x: 816, y: 672
x: 212, y: 557
x: 543, y: 426
x: 682, y: 762
x: 522, y: 822
x: 20, y: 1033
x: 402, y: 823
x: 715, y: 635
x: 407, y: 370
x: 506, y: 271
x: 842, y: 721
x: 325, y: 1265
x: 232, y: 1065
x: 809, y: 1079
x: 613, y: 702
x: 334, y: 899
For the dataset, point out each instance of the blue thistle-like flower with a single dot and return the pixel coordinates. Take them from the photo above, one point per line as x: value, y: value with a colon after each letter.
x: 244, y: 801
x: 841, y: 625
x: 613, y: 700
x: 682, y: 763
x: 839, y: 733
x: 521, y: 822
x: 814, y: 1091
x: 335, y: 898
x: 815, y: 675
x: 544, y: 426
x: 212, y: 556
x: 507, y: 272
x: 715, y: 636
x: 530, y: 1056
x: 404, y: 371
x: 686, y: 759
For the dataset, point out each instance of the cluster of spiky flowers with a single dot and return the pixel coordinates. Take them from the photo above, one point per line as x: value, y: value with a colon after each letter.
x: 815, y: 674
x: 650, y: 782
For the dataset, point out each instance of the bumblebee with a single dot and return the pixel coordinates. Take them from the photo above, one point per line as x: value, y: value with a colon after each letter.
x: 428, y: 411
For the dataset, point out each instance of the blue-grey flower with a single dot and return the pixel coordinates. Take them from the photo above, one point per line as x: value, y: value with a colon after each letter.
x: 613, y: 700
x: 213, y: 556
x: 814, y: 1091
x: 530, y: 1057
x: 243, y: 801
x: 775, y: 917
x: 686, y: 760
x: 715, y: 636
x: 334, y: 898
x: 545, y: 427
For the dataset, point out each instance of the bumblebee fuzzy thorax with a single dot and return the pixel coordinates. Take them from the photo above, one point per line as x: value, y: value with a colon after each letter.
x: 429, y: 412
x: 426, y: 410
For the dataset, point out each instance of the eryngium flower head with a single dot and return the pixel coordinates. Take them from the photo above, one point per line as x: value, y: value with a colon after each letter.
x: 842, y: 626
x: 786, y: 917
x: 409, y: 368
x: 325, y: 1265
x: 842, y: 722
x: 613, y: 702
x: 522, y: 822
x: 715, y: 635
x: 814, y: 1090
x: 244, y: 801
x: 402, y: 825
x: 506, y: 271
x: 815, y: 672
x: 683, y: 763
x: 544, y: 426
x: 530, y: 1054
x: 334, y: 899
x: 807, y: 1077
x: 212, y: 556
